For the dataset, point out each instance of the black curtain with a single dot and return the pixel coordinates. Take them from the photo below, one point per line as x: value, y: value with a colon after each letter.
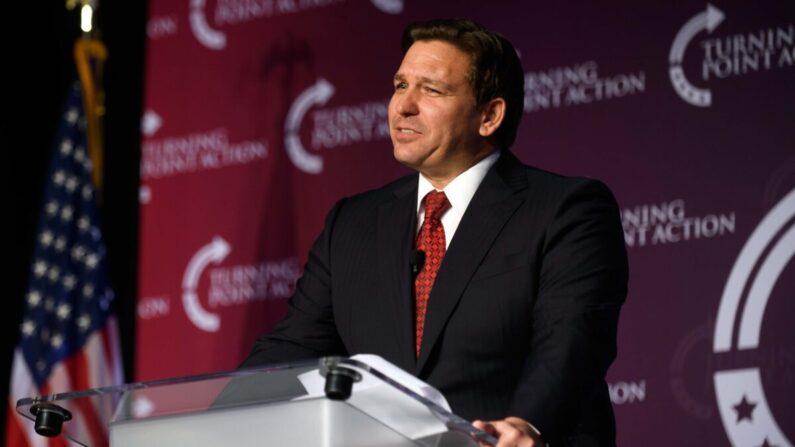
x: 38, y: 68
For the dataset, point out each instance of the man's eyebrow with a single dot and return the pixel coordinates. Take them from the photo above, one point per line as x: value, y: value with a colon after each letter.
x: 425, y: 80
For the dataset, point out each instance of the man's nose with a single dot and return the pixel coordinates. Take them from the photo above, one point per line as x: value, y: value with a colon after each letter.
x: 407, y: 102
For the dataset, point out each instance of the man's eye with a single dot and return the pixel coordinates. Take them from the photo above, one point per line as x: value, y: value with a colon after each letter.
x: 400, y: 86
x: 432, y: 91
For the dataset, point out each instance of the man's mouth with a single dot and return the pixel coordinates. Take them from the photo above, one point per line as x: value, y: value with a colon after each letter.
x: 407, y: 130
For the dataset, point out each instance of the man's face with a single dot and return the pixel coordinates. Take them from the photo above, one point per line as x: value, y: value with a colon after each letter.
x: 433, y: 119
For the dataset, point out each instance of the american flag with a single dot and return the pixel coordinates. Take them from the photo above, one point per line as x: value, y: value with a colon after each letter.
x: 68, y: 338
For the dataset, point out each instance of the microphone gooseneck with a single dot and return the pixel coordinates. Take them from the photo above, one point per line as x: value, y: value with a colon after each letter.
x: 416, y: 261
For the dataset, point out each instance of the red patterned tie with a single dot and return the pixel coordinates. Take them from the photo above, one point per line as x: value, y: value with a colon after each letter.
x: 431, y: 241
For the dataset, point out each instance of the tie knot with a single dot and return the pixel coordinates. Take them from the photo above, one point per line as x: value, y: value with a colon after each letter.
x: 435, y: 204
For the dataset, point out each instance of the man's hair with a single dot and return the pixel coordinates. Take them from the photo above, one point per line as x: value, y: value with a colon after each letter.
x: 495, y: 71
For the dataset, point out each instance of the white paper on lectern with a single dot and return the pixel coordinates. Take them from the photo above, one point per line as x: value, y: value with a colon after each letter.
x: 385, y: 402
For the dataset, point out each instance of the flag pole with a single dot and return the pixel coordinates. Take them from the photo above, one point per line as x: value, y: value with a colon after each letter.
x: 90, y: 55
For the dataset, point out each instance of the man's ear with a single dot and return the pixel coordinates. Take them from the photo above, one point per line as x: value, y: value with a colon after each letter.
x: 491, y: 116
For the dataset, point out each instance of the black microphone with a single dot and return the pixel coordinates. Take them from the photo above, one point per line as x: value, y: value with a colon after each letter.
x: 416, y: 260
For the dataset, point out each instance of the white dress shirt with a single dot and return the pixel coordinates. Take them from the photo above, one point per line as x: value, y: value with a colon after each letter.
x: 459, y: 193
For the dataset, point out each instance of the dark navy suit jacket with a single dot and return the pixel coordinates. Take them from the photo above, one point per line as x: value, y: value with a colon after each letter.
x: 522, y: 317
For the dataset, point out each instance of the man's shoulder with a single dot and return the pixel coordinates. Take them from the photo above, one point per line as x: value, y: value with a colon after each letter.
x: 396, y: 188
x: 554, y: 185
x: 363, y: 205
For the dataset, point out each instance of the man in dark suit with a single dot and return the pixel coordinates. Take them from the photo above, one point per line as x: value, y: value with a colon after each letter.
x: 513, y: 313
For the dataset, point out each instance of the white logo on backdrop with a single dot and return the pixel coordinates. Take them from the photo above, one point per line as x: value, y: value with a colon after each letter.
x: 212, y: 253
x: 577, y: 84
x: 210, y: 38
x: 142, y: 406
x: 232, y: 285
x: 627, y: 392
x: 153, y: 307
x: 242, y: 284
x: 150, y: 123
x: 317, y: 94
x: 744, y: 410
x: 232, y: 12
x: 162, y: 26
x: 725, y: 56
x: 144, y: 194
x: 331, y: 127
x: 707, y: 20
x: 668, y: 223
x: 196, y: 152
x: 389, y: 6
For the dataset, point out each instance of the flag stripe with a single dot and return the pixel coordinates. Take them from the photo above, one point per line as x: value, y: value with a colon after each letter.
x: 22, y: 386
x: 112, y: 365
x: 77, y: 366
x: 60, y: 441
x: 60, y: 381
x: 14, y: 433
x: 100, y: 370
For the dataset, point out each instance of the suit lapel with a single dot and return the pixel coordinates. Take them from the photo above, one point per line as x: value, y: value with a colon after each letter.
x: 492, y: 205
x: 395, y: 237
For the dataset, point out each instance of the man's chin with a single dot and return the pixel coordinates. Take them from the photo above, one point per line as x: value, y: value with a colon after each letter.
x: 407, y: 159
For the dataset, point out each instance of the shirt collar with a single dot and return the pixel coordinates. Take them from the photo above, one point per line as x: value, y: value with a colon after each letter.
x: 461, y: 189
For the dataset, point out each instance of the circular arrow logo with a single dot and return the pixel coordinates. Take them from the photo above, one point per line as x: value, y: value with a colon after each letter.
x: 317, y: 94
x: 214, y: 253
x: 707, y: 20
x: 743, y: 407
x: 389, y: 6
x: 210, y: 38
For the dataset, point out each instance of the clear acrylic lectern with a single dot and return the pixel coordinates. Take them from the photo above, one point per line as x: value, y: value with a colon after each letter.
x: 333, y: 401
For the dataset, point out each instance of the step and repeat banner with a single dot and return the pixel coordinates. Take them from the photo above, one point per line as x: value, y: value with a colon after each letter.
x: 260, y: 114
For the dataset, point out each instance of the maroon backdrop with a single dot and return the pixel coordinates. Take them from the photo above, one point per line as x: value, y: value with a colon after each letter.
x: 260, y: 114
